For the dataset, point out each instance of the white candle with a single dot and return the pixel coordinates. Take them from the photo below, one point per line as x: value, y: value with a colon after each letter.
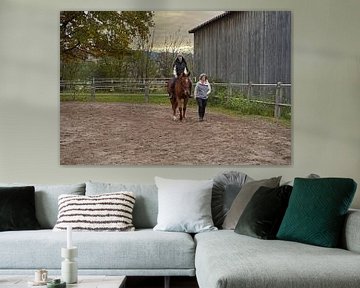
x: 69, y: 239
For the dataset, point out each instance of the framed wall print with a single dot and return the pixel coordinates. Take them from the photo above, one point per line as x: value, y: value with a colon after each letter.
x: 175, y: 88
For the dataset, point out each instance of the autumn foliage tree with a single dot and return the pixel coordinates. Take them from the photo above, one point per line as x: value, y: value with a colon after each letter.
x: 96, y: 34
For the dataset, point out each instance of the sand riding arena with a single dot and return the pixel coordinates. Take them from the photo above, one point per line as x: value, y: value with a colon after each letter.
x: 143, y: 134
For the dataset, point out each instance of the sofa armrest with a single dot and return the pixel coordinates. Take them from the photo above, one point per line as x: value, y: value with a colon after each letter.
x: 351, y: 234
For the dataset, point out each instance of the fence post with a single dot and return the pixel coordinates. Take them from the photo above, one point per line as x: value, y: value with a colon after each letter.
x: 74, y: 94
x: 249, y: 91
x: 146, y: 90
x: 278, y: 99
x: 93, y: 89
x: 229, y: 90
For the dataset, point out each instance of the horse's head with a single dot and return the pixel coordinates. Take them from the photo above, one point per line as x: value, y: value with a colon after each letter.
x: 185, y: 84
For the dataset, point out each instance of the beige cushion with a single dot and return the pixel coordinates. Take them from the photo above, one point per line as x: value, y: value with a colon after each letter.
x: 243, y: 198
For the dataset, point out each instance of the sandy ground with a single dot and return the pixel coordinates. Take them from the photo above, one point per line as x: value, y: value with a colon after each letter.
x: 135, y: 134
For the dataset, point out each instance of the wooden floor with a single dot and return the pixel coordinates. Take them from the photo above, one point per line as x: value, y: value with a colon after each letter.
x: 158, y: 282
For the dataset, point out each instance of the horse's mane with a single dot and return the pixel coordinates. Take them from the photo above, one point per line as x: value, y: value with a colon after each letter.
x: 184, y: 75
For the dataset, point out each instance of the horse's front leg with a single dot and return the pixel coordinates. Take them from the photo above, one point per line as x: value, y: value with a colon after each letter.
x: 174, y: 113
x: 184, y: 107
x: 174, y: 106
x: 181, y: 113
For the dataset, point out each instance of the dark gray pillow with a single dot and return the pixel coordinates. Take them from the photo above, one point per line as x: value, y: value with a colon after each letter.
x: 17, y: 209
x: 243, y: 198
x: 46, y: 200
x: 263, y: 214
x: 225, y: 189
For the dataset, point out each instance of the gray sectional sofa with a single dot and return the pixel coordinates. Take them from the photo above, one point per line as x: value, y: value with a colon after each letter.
x: 218, y: 258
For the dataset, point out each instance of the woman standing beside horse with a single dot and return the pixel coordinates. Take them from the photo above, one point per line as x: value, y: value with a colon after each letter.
x: 201, y: 93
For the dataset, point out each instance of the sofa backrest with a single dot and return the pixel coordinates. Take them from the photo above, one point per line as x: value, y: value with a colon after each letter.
x: 46, y: 200
x: 146, y: 203
x: 351, y: 237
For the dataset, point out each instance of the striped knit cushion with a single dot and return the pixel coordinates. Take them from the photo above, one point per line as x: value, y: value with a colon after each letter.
x: 105, y: 212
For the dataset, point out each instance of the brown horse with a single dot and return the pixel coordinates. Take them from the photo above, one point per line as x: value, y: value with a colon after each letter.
x: 182, y: 94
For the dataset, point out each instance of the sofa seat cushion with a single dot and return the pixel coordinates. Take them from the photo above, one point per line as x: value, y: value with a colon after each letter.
x: 226, y: 259
x: 138, y: 250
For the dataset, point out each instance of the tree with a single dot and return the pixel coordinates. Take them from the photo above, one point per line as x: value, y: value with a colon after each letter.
x: 143, y: 56
x: 85, y: 34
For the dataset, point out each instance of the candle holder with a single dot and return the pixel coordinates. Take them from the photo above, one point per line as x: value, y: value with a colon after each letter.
x: 69, y: 271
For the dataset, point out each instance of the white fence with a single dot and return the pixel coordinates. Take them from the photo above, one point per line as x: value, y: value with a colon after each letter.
x: 121, y: 85
x: 278, y: 95
x: 275, y: 94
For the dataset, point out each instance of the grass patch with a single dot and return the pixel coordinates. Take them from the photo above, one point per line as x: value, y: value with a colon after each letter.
x: 234, y: 106
x: 106, y: 97
x: 242, y: 106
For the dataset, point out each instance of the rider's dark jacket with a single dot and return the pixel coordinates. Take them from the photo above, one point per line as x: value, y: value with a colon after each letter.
x: 179, y: 67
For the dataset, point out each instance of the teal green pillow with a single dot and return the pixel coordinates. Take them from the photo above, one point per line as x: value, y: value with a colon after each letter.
x: 316, y: 211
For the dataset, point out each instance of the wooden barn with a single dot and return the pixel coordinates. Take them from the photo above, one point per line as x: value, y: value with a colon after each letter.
x: 244, y: 46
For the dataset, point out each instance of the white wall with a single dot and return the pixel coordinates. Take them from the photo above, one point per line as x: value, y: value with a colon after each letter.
x: 326, y: 91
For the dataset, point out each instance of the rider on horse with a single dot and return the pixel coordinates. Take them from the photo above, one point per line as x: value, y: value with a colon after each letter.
x: 179, y: 66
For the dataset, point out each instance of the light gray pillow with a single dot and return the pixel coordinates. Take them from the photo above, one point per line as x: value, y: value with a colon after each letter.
x: 225, y: 189
x: 310, y: 176
x: 243, y: 198
x: 46, y: 200
x: 184, y: 205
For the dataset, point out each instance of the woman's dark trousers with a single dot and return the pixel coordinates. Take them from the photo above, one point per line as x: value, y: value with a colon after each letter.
x: 202, y: 105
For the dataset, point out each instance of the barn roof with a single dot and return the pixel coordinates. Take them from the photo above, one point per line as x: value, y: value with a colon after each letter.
x: 210, y: 21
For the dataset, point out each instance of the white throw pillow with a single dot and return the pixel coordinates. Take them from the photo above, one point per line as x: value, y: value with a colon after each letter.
x: 105, y: 212
x: 184, y: 205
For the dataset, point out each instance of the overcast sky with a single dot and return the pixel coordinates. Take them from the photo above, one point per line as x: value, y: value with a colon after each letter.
x: 177, y: 25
